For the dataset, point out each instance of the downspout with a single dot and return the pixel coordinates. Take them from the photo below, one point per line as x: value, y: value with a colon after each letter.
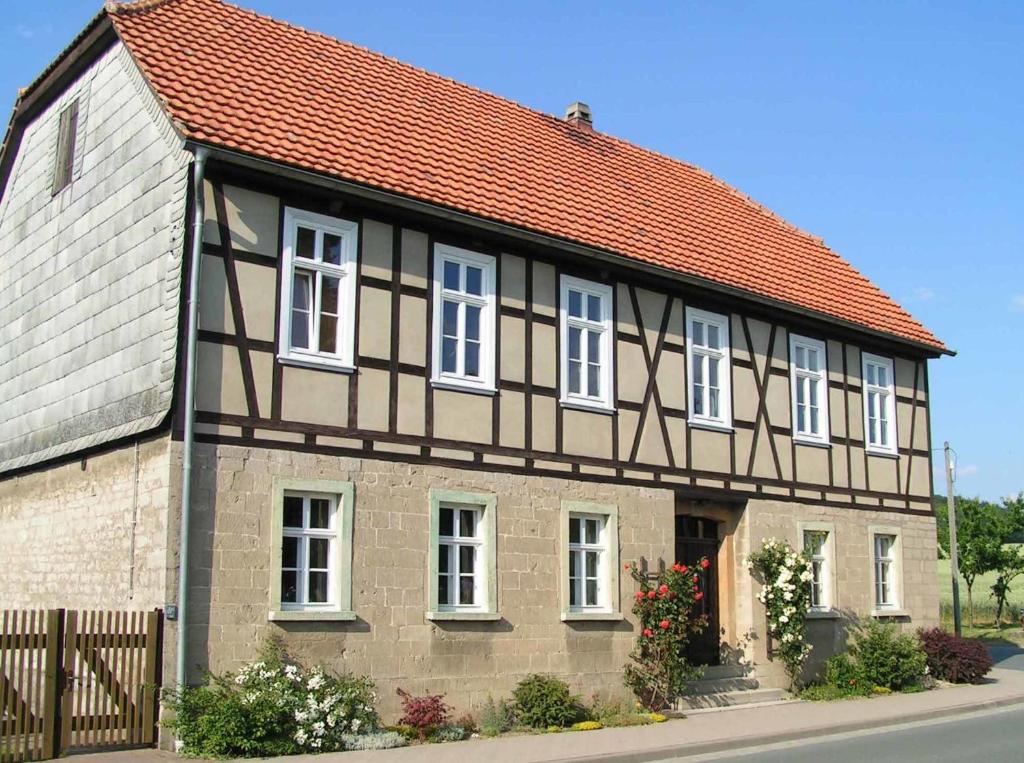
x: 191, y: 332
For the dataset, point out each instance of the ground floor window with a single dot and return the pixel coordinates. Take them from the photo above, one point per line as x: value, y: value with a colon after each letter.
x: 462, y: 569
x: 313, y: 550
x: 886, y: 568
x: 590, y: 583
x: 816, y: 547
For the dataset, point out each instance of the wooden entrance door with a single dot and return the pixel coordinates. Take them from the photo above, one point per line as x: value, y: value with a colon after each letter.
x: 697, y: 538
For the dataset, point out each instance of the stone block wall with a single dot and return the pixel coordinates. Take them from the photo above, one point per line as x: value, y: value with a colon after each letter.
x: 391, y: 640
x: 89, y: 533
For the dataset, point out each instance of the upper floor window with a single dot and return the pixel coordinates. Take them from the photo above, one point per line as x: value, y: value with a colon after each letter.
x: 708, y: 357
x: 879, y: 404
x: 809, y: 382
x: 318, y: 290
x: 464, y: 318
x: 67, y: 134
x: 585, y: 327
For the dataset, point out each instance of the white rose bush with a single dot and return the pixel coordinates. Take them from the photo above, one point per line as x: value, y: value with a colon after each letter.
x: 786, y: 594
x: 276, y: 707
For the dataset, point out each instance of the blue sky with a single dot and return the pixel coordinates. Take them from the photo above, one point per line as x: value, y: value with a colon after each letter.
x: 892, y: 130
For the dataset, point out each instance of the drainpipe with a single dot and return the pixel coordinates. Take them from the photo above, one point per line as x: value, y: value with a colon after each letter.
x: 195, y: 261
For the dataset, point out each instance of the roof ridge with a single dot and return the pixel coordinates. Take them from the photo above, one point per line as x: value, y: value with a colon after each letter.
x: 127, y: 7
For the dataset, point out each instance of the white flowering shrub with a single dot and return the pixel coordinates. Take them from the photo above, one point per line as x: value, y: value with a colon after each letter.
x: 273, y: 707
x: 786, y: 594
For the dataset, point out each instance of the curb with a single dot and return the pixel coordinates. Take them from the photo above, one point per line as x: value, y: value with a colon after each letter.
x: 738, y: 743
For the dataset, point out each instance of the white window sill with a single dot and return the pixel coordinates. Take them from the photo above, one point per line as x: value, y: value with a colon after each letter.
x: 894, y: 612
x: 579, y: 404
x: 572, y: 617
x: 881, y: 453
x: 480, y: 617
x: 711, y: 426
x: 797, y: 439
x: 310, y: 615
x: 455, y: 386
x: 823, y: 614
x: 323, y: 364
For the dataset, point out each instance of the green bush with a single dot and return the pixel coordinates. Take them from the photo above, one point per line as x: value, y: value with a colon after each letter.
x: 448, y: 734
x: 888, y: 658
x: 543, y: 701
x: 496, y: 717
x: 271, y: 707
x: 378, y: 740
x: 846, y: 677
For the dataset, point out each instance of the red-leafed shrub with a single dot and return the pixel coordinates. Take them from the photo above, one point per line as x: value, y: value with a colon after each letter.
x: 955, y: 659
x: 424, y: 714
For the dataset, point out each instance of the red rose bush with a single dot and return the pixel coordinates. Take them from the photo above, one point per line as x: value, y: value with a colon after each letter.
x: 665, y: 610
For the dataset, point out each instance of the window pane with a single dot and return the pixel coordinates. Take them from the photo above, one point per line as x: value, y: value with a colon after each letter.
x: 697, y: 330
x: 591, y: 564
x: 317, y: 587
x: 574, y: 377
x: 474, y: 280
x: 442, y: 590
x: 698, y: 369
x: 466, y: 590
x: 883, y: 376
x: 332, y: 249
x: 800, y: 357
x: 574, y: 530
x: 328, y: 334
x: 472, y: 359
x: 292, y: 511
x: 593, y: 530
x: 444, y: 556
x: 593, y: 380
x: 319, y: 513
x: 289, y: 552
x: 318, y: 553
x: 574, y: 595
x: 801, y: 417
x: 449, y: 358
x: 289, y: 589
x: 447, y: 527
x: 872, y: 376
x: 575, y: 336
x: 301, y: 299
x: 593, y: 347
x: 594, y: 308
x: 591, y: 593
x: 472, y: 322
x: 812, y: 359
x: 713, y: 364
x: 305, y: 243
x: 467, y: 523
x: 713, y: 405
x: 575, y: 307
x: 467, y: 560
x: 329, y: 296
x: 450, y: 279
x: 713, y: 340
x: 449, y: 318
x: 574, y: 564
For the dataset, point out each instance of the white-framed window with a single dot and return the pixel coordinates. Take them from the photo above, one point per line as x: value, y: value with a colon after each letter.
x: 816, y: 547
x: 318, y: 290
x: 886, y: 569
x: 709, y: 361
x: 585, y: 336
x: 590, y: 582
x: 879, y: 403
x: 809, y: 389
x: 312, y: 568
x: 464, y: 322
x: 462, y: 570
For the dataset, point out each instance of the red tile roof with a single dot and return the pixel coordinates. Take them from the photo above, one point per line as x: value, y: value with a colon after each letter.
x: 235, y: 79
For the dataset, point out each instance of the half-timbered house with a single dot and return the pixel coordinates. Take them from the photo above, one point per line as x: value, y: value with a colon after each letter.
x: 454, y: 363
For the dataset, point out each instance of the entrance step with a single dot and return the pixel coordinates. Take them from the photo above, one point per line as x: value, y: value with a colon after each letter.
x: 722, y: 700
x: 714, y: 672
x: 721, y: 685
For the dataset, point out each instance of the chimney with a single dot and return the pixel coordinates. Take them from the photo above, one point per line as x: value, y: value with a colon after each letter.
x: 578, y: 114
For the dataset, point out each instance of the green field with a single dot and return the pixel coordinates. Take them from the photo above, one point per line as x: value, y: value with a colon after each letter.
x: 984, y: 606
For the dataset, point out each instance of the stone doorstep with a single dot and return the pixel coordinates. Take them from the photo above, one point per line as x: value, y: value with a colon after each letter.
x: 726, y: 686
x: 706, y: 703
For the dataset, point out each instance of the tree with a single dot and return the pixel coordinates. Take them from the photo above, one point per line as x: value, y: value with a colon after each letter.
x: 980, y: 529
x: 1010, y: 561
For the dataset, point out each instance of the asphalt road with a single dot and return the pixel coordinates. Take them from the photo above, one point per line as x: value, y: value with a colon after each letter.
x: 992, y: 737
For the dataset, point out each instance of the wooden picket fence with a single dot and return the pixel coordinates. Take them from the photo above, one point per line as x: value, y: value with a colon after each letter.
x: 77, y: 681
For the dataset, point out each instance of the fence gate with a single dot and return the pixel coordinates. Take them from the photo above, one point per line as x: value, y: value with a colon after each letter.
x: 77, y: 680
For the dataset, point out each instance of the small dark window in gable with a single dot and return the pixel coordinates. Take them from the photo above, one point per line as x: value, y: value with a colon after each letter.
x: 65, y: 160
